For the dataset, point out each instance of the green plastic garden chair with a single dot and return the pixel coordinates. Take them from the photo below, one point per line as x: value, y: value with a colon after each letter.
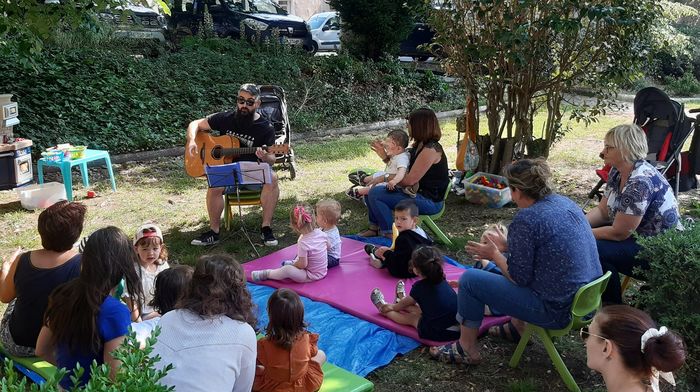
x: 586, y: 301
x: 429, y: 220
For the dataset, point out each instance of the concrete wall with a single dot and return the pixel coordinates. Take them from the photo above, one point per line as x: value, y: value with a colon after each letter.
x: 305, y: 8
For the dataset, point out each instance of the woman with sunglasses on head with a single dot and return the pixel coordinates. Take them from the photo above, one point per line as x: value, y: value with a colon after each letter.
x: 637, y: 199
x: 427, y: 169
x: 625, y: 346
x: 548, y: 255
x: 28, y: 278
x: 252, y: 130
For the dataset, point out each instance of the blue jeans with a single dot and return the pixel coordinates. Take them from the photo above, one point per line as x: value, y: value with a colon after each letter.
x: 381, y: 201
x: 478, y: 288
x: 618, y: 257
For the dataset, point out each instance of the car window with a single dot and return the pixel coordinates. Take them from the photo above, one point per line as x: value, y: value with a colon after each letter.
x: 266, y: 7
x: 315, y: 22
x: 235, y: 5
x: 334, y: 23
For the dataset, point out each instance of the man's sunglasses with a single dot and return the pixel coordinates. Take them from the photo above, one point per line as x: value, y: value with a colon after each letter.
x: 247, y: 102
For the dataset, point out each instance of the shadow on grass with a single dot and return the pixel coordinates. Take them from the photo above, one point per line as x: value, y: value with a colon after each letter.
x: 335, y: 150
x: 13, y: 206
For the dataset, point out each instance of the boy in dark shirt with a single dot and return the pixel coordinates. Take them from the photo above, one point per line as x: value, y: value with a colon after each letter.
x: 410, y: 237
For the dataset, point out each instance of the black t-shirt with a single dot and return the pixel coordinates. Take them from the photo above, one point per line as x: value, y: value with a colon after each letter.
x: 438, y: 303
x: 256, y: 134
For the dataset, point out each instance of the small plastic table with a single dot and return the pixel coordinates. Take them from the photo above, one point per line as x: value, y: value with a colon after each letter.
x: 67, y: 165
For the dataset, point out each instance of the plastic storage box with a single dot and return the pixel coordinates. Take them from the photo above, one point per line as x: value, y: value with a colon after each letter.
x: 41, y: 195
x: 493, y: 197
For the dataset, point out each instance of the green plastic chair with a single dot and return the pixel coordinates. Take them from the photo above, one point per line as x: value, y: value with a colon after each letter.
x: 586, y: 301
x: 429, y: 220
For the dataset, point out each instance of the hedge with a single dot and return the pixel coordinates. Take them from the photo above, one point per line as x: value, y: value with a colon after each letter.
x: 107, y: 97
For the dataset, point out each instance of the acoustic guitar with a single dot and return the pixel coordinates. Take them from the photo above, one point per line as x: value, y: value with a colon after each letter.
x: 219, y: 150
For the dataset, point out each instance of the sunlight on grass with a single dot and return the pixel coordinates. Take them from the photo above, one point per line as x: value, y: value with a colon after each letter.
x: 161, y: 192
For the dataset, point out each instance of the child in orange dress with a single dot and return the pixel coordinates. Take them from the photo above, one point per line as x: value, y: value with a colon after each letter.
x: 288, y: 357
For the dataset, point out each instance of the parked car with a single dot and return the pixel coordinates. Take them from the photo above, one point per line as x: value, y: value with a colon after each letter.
x: 257, y: 18
x: 419, y: 44
x: 136, y: 21
x: 325, y: 31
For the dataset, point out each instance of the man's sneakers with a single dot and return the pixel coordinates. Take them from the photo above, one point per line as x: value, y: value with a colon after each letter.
x: 267, y: 236
x: 212, y: 238
x: 206, y: 239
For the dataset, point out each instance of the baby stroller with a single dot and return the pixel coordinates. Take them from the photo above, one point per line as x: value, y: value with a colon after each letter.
x: 667, y: 129
x: 273, y: 106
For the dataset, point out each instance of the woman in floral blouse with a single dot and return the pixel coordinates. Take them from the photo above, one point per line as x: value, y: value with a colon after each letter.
x: 637, y: 199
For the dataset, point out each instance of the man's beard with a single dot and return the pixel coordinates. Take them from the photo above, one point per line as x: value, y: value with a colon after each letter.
x: 244, y: 120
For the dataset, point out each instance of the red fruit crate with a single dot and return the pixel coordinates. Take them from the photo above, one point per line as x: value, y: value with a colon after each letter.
x: 488, y: 189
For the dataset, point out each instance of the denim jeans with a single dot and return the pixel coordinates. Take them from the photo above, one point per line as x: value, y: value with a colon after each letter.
x: 381, y: 201
x: 618, y: 257
x: 478, y: 288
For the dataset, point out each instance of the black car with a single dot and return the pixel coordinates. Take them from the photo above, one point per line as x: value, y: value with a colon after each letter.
x: 419, y: 44
x: 257, y: 18
x: 135, y: 21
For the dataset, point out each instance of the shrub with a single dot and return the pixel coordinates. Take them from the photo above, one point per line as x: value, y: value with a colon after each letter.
x: 684, y: 86
x: 136, y: 373
x: 673, y: 297
x: 372, y: 28
x: 108, y: 98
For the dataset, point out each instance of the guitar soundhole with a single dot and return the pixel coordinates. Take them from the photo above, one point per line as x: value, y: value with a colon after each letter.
x: 216, y: 152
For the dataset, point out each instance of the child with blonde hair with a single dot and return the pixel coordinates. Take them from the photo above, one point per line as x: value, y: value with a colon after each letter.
x: 288, y: 357
x: 311, y: 262
x: 496, y: 233
x: 327, y: 216
x: 152, y: 260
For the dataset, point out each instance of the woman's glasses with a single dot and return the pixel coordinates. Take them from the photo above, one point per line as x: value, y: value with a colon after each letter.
x: 247, y: 102
x: 584, y: 334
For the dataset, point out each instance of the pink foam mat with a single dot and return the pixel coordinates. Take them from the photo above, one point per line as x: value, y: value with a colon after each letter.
x: 347, y: 287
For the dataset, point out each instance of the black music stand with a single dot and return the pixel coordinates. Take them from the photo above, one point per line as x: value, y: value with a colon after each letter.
x: 235, y: 175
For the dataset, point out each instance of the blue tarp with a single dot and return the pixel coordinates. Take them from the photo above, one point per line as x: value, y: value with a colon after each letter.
x: 351, y: 343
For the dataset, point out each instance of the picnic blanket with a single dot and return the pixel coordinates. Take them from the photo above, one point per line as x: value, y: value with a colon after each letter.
x: 349, y: 342
x: 348, y: 286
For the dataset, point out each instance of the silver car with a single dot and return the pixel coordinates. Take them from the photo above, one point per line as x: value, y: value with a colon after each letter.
x: 325, y: 31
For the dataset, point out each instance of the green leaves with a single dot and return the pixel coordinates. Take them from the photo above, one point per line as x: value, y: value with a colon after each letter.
x: 127, y: 96
x: 672, y: 296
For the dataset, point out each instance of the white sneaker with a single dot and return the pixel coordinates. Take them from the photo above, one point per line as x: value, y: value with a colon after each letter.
x: 377, y: 298
x: 257, y: 276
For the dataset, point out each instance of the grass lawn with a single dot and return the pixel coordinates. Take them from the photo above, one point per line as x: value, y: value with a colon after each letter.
x: 161, y: 192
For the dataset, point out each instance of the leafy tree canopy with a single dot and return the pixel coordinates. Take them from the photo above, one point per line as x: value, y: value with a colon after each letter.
x: 27, y: 24
x: 522, y: 55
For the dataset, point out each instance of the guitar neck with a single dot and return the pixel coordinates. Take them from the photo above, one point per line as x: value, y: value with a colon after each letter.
x: 239, y: 151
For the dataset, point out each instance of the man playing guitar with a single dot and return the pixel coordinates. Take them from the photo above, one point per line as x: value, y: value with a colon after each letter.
x: 246, y: 124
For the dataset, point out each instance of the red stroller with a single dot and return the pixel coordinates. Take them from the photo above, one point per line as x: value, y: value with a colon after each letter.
x: 667, y: 129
